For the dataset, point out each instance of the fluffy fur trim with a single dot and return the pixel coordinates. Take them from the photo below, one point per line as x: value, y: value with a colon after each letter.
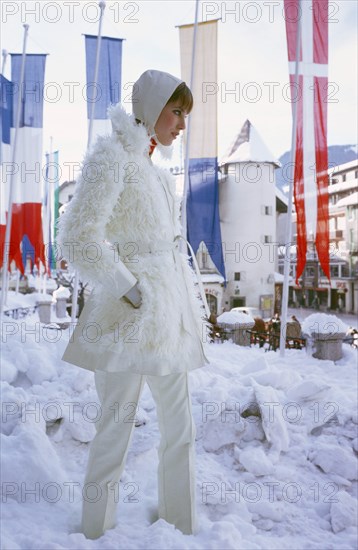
x: 166, y: 152
x: 133, y: 136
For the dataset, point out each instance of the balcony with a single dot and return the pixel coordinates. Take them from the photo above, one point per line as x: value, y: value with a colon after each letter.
x: 336, y: 235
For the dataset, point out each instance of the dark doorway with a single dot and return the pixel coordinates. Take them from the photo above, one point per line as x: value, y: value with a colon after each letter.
x: 238, y: 301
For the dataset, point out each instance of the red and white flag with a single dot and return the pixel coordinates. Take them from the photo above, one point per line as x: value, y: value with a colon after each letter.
x: 311, y: 155
x: 6, y: 110
x: 26, y: 240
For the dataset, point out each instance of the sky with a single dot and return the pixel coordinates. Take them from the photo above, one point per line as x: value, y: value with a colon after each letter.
x: 252, y: 59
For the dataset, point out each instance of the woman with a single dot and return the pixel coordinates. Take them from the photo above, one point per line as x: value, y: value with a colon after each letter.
x: 143, y: 320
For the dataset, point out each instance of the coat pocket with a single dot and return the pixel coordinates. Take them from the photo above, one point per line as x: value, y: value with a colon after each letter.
x: 113, y: 315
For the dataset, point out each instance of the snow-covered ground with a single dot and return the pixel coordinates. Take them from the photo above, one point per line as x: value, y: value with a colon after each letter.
x: 276, y: 450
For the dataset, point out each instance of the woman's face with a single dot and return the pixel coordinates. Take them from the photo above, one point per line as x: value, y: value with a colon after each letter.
x: 171, y: 120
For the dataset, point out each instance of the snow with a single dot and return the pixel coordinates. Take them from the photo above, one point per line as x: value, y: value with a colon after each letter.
x: 255, y: 461
x: 273, y: 421
x: 339, y: 460
x: 276, y: 450
x: 62, y: 292
x: 20, y: 300
x: 235, y: 318
x: 344, y: 512
x: 322, y: 323
x: 38, y: 283
x: 307, y: 390
x: 44, y: 298
x: 212, y: 278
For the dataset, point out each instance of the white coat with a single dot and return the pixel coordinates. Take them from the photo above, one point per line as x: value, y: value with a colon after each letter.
x: 120, y: 228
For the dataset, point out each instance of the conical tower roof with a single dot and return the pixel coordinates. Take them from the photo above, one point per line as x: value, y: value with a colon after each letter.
x: 248, y: 147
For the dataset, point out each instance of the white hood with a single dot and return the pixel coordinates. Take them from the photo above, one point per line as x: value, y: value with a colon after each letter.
x: 150, y: 95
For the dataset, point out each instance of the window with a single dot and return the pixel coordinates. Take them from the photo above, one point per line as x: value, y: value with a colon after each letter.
x: 309, y: 271
x: 237, y: 276
x: 267, y: 239
x: 266, y: 210
x: 238, y: 302
x: 351, y: 213
x: 212, y: 303
x: 204, y: 259
x: 356, y: 174
x: 334, y: 270
x: 351, y: 237
x: 344, y: 177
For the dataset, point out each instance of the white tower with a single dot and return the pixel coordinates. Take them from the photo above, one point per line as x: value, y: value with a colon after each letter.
x: 247, y: 198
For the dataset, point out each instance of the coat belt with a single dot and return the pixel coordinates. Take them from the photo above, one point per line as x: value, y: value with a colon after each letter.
x: 158, y: 247
x: 137, y: 247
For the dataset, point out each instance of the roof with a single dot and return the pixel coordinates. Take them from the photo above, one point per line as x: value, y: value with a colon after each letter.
x: 212, y: 278
x: 66, y: 184
x: 279, y: 278
x: 249, y: 147
x: 351, y: 165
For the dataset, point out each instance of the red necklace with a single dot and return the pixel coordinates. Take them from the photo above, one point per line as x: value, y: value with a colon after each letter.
x: 152, y: 146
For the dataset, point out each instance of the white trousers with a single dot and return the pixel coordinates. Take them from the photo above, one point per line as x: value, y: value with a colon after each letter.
x: 108, y: 450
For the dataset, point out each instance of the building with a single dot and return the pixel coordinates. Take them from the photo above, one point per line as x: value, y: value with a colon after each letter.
x: 248, y: 205
x: 341, y: 293
x: 67, y: 190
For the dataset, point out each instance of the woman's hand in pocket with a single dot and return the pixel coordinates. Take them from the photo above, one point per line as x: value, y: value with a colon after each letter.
x: 134, y: 296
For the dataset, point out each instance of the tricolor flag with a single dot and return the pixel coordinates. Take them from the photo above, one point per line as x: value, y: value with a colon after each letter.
x: 107, y: 89
x: 6, y: 90
x: 202, y: 201
x: 26, y: 227
x: 50, y: 208
x: 311, y: 156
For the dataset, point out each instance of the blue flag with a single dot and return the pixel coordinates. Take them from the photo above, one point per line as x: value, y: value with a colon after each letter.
x: 33, y: 88
x: 6, y: 109
x: 202, y: 193
x: 108, y: 87
x: 203, y: 221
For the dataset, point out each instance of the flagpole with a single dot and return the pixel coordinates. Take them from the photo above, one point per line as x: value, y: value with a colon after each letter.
x: 4, y: 57
x: 11, y: 190
x: 46, y: 206
x: 17, y: 281
x: 51, y: 217
x: 102, y: 6
x: 287, y: 256
x: 186, y: 160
